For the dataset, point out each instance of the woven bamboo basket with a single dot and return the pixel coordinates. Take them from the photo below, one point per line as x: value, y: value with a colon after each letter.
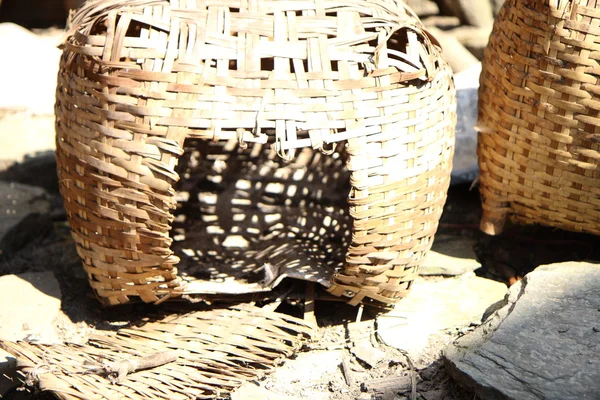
x: 141, y: 80
x: 539, y: 147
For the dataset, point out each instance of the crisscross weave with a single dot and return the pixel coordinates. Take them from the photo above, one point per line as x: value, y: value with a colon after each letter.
x: 138, y: 78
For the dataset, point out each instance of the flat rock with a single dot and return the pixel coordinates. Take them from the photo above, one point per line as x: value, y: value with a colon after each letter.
x: 444, y: 22
x: 465, y: 168
x: 364, y: 351
x: 28, y: 81
x: 8, y: 372
x: 433, y: 308
x: 24, y: 215
x: 457, y: 56
x: 7, y: 362
x: 31, y: 307
x: 450, y: 255
x: 308, y: 376
x: 497, y: 5
x: 251, y: 390
x: 38, y: 170
x: 28, y: 85
x: 24, y: 134
x: 542, y: 344
x: 361, y: 345
x: 423, y: 7
x: 473, y: 38
x: 475, y: 13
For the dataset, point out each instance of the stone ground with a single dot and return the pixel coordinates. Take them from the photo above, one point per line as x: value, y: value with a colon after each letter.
x: 385, y: 355
x: 382, y: 354
x: 43, y: 277
x: 541, y: 343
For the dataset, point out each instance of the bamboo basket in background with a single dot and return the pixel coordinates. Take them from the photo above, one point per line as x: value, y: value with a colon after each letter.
x: 539, y: 140
x: 138, y: 78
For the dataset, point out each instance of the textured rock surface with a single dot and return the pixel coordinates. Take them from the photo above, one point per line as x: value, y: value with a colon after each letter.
x: 465, y: 169
x: 423, y: 7
x: 33, y: 309
x: 23, y: 134
x: 473, y: 38
x: 450, y: 255
x: 543, y: 344
x: 434, y: 307
x: 253, y: 391
x: 39, y: 170
x: 28, y: 81
x: 361, y: 345
x: 24, y: 215
x: 8, y: 372
x: 457, y: 56
x: 308, y: 371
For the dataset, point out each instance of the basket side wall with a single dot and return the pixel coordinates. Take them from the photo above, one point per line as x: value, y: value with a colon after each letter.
x: 137, y: 78
x: 539, y: 153
x: 399, y: 187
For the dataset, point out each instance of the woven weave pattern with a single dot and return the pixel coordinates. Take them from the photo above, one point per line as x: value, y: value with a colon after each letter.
x: 139, y: 77
x: 218, y: 350
x: 539, y: 116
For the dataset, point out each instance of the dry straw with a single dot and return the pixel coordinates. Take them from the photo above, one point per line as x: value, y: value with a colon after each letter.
x: 195, y: 355
x: 539, y: 147
x: 138, y: 77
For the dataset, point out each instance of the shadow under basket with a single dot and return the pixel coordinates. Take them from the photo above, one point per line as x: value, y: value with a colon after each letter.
x: 314, y: 140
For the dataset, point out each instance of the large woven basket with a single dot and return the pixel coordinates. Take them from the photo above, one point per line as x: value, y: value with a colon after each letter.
x: 539, y: 140
x: 138, y: 78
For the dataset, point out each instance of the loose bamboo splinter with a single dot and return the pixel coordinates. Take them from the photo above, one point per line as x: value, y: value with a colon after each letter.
x: 117, y: 371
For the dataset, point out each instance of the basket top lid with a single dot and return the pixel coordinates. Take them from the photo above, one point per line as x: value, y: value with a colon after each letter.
x: 293, y: 70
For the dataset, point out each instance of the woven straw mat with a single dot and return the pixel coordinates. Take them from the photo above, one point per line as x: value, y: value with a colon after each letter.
x: 359, y: 81
x: 195, y: 355
x: 539, y: 122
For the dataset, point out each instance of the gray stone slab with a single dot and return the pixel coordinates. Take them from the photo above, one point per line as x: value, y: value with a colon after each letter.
x: 31, y: 307
x: 423, y: 7
x: 450, y: 255
x: 465, y: 168
x: 24, y: 215
x: 544, y: 343
x: 38, y: 170
x: 28, y: 84
x: 28, y: 81
x: 8, y: 372
x: 434, y: 307
x: 456, y: 55
x: 305, y: 377
x: 25, y: 135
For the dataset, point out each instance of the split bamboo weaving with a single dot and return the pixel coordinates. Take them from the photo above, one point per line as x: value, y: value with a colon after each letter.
x: 195, y: 355
x: 139, y: 77
x: 539, y: 121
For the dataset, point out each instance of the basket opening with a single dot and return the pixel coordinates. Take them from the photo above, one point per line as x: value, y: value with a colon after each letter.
x: 404, y: 50
x: 132, y: 29
x: 298, y: 66
x: 246, y: 218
